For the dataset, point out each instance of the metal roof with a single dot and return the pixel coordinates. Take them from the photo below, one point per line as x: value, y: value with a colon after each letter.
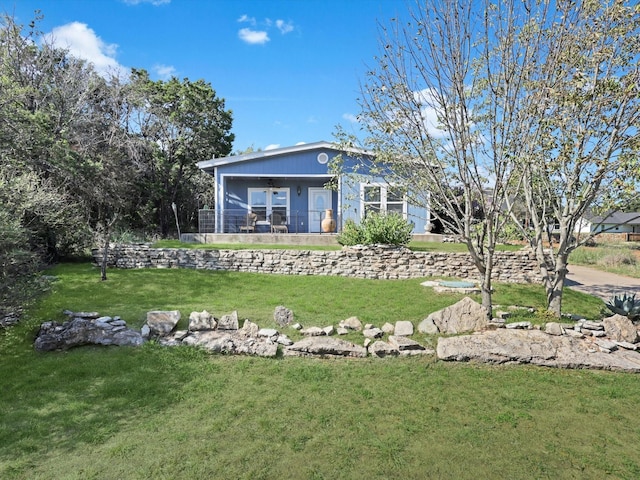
x: 215, y: 162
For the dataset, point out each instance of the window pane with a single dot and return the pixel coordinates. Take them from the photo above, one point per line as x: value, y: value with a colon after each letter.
x: 279, y: 197
x: 395, y: 196
x: 258, y: 197
x: 261, y: 212
x: 371, y: 208
x: 372, y: 194
x: 394, y: 208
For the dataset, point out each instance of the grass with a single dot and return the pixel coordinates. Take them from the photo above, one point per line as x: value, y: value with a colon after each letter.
x: 620, y: 258
x: 156, y: 412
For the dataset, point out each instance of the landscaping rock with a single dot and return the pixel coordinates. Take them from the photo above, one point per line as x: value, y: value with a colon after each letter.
x: 249, y: 329
x: 519, y: 325
x: 620, y: 329
x: 464, y: 316
x: 201, y: 321
x: 312, y: 332
x: 427, y: 326
x: 229, y: 322
x: 162, y: 322
x: 283, y: 316
x: 403, y: 328
x: 535, y: 347
x: 351, y: 323
x: 83, y: 331
x: 382, y: 349
x: 373, y: 332
x: 325, y: 347
x: 406, y: 346
x: 553, y: 328
x: 388, y: 328
x: 268, y: 332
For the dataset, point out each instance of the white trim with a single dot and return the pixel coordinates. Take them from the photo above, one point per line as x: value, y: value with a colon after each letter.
x: 269, y: 205
x: 384, y: 188
x: 277, y: 152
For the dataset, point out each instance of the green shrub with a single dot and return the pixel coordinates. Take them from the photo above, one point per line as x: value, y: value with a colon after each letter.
x: 389, y: 229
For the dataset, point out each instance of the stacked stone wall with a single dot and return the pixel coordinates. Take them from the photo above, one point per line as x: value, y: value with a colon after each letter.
x: 372, y: 262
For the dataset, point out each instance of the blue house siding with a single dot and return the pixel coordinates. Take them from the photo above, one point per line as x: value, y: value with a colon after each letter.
x: 295, y: 174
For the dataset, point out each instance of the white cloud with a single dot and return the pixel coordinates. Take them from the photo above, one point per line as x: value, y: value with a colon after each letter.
x: 350, y: 117
x: 165, y: 72
x: 312, y: 119
x: 428, y: 113
x: 82, y: 42
x: 247, y: 19
x: 152, y: 2
x: 301, y: 143
x: 272, y: 146
x: 253, y: 37
x: 284, y: 27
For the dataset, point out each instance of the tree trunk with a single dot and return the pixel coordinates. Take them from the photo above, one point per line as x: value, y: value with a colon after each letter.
x: 105, y: 255
x: 555, y: 287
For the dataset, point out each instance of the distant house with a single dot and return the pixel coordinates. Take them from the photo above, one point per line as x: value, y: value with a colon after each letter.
x: 288, y: 186
x: 617, y: 222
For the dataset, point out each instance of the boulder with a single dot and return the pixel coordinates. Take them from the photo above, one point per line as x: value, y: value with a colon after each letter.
x: 382, y: 349
x: 162, y: 322
x: 427, y: 326
x: 325, y: 347
x: 553, y: 328
x: 83, y: 331
x: 249, y: 329
x: 312, y: 332
x: 535, y: 347
x: 229, y: 322
x: 406, y: 346
x: 373, y: 332
x: 201, y: 321
x: 283, y: 316
x: 464, y: 316
x: 403, y: 328
x: 388, y: 328
x: 351, y: 323
x: 620, y: 329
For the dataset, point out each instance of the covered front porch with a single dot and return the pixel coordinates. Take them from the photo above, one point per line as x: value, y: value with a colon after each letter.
x: 310, y: 239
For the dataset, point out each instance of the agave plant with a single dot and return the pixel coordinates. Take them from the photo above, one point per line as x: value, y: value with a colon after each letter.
x: 626, y: 305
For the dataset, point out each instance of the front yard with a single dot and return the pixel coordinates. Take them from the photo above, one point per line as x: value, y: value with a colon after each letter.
x: 156, y: 412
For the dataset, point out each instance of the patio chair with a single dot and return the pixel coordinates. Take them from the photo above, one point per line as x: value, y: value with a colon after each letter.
x: 278, y: 223
x: 249, y: 224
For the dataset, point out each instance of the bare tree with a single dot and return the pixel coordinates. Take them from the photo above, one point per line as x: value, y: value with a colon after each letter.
x: 480, y: 105
x: 579, y: 141
x: 439, y: 109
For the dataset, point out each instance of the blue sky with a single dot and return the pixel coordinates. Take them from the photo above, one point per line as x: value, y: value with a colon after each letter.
x: 290, y: 70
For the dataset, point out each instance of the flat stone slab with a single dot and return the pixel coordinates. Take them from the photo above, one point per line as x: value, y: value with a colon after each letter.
x: 537, y: 348
x: 325, y: 347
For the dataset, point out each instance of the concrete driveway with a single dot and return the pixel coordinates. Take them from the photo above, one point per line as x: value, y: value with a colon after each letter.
x: 600, y: 284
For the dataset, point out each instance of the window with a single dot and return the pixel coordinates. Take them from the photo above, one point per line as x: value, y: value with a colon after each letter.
x: 265, y: 201
x: 383, y: 198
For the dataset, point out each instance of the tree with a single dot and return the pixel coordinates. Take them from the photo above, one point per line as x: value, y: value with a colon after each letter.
x: 438, y: 111
x: 534, y: 102
x: 183, y: 122
x: 579, y: 145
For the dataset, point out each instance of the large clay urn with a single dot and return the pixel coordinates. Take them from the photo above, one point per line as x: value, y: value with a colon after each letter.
x: 328, y: 223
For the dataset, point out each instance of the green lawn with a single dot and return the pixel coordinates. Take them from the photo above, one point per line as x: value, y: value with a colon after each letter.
x: 178, y: 413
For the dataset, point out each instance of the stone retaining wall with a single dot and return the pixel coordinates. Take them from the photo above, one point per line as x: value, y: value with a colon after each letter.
x: 374, y: 262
